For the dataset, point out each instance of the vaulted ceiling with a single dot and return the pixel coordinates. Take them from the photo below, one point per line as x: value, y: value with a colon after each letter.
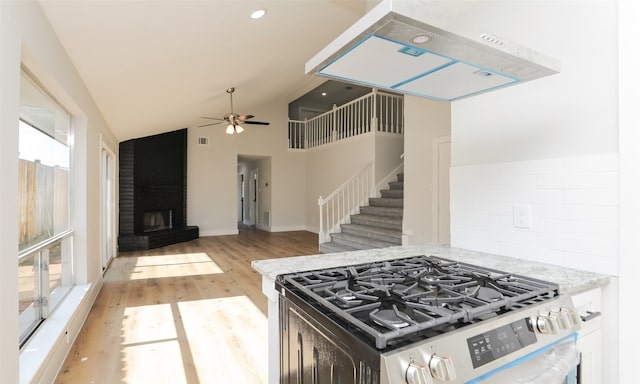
x: 156, y: 66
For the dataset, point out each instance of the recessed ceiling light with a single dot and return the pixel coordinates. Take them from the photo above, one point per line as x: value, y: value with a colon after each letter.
x: 324, y: 93
x: 258, y: 14
x: 421, y: 39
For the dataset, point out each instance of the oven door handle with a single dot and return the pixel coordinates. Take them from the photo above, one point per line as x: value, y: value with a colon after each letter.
x: 590, y: 316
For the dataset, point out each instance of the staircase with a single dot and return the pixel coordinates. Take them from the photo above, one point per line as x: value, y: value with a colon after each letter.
x: 378, y: 225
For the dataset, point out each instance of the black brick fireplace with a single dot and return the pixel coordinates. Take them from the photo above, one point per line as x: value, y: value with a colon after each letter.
x: 153, y: 192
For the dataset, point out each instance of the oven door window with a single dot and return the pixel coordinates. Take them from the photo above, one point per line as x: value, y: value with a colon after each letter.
x: 553, y: 364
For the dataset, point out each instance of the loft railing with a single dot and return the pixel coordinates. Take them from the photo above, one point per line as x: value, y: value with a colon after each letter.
x: 345, y: 201
x: 374, y: 112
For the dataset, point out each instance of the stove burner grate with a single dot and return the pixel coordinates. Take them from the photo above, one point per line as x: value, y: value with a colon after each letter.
x: 400, y: 298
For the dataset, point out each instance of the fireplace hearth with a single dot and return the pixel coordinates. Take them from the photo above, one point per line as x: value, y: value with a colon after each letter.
x: 153, y: 192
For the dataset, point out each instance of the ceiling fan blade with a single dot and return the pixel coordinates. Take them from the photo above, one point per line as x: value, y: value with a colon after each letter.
x: 210, y: 118
x: 256, y: 122
x: 206, y: 125
x: 244, y: 117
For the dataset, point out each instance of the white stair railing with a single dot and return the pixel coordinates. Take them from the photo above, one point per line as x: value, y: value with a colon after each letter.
x: 376, y: 111
x: 345, y: 201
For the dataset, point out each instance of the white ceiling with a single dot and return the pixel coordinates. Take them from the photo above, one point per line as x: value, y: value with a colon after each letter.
x: 156, y: 66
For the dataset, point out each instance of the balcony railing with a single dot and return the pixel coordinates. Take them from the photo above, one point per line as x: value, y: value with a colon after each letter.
x: 374, y: 112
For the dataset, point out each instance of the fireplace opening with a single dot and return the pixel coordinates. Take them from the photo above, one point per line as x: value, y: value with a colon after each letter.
x: 158, y: 220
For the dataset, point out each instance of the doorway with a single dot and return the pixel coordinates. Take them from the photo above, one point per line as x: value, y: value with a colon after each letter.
x: 241, y: 198
x: 441, y: 221
x: 253, y: 197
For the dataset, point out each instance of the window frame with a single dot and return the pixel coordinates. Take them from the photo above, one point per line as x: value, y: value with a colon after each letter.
x: 46, y: 296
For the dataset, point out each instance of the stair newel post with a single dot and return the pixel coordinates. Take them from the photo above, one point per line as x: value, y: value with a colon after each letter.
x: 374, y: 110
x: 321, y: 233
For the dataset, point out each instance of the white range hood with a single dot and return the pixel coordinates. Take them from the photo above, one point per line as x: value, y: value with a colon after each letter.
x: 410, y: 47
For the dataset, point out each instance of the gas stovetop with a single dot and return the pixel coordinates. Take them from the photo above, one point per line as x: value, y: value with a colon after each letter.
x: 396, y: 302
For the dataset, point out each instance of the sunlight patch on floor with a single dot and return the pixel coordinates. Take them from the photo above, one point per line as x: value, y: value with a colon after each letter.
x: 153, y: 362
x: 235, y: 347
x: 148, y: 323
x: 150, y: 347
x: 160, y: 266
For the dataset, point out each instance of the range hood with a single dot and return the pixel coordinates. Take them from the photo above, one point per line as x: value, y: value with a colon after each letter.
x: 410, y: 47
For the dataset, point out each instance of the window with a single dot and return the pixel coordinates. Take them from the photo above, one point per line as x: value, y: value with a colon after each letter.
x: 45, y: 244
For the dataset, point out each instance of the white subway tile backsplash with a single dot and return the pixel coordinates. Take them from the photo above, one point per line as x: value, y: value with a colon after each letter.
x: 596, y: 230
x: 591, y: 196
x: 577, y: 212
x: 574, y: 209
x: 584, y: 245
x: 495, y: 209
x: 579, y: 180
x: 529, y: 167
x: 594, y: 163
x: 512, y: 181
x: 519, y: 196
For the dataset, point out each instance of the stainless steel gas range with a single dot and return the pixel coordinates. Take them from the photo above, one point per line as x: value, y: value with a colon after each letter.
x: 424, y: 320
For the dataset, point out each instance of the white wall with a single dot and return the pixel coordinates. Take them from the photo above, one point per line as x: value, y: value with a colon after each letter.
x: 425, y: 120
x: 629, y: 139
x: 9, y: 103
x: 572, y: 113
x: 388, y: 149
x: 27, y: 38
x: 551, y: 144
x: 212, y: 174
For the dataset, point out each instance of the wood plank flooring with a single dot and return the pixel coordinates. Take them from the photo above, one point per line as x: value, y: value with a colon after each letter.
x: 186, y: 313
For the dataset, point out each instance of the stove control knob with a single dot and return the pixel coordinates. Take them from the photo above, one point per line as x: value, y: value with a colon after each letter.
x: 418, y: 374
x: 547, y: 324
x: 441, y: 368
x: 562, y: 317
x: 572, y: 314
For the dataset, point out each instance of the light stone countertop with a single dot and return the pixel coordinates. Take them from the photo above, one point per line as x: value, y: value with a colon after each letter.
x: 571, y: 281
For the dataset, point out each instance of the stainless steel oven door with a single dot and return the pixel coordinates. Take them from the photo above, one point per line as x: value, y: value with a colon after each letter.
x: 554, y: 364
x: 313, y: 351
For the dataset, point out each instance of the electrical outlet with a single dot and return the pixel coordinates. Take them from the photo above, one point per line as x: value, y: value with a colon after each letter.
x: 522, y: 216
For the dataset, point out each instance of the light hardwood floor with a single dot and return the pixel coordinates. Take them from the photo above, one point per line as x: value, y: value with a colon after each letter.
x: 186, y: 313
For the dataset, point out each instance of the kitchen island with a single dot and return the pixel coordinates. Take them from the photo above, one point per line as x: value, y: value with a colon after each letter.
x: 570, y: 281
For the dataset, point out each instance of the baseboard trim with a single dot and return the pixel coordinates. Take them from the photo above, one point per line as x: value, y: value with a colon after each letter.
x: 289, y: 228
x: 221, y: 232
x: 313, y: 229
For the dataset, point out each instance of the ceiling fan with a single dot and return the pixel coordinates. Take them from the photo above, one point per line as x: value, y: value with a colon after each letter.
x: 232, y: 119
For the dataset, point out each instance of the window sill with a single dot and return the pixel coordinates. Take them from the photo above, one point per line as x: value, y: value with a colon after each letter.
x: 42, y: 356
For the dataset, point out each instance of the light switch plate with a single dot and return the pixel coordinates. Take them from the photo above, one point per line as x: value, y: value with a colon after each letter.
x: 522, y: 216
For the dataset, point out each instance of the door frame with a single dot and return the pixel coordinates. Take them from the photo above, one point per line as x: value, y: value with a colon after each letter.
x: 435, y: 182
x: 108, y: 214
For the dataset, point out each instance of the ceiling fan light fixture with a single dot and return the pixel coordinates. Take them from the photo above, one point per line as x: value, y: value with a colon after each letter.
x: 234, y: 120
x: 258, y: 14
